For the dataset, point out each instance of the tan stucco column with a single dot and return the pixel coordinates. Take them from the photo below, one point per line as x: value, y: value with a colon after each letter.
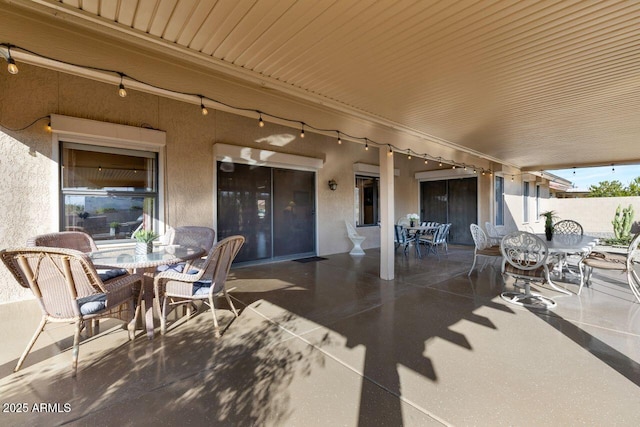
x: 387, y: 215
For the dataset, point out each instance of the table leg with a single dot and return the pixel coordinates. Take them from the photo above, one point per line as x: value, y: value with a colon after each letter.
x: 146, y: 293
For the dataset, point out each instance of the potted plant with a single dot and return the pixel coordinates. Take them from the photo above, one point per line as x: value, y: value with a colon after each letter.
x: 549, y: 218
x: 113, y: 228
x: 144, y: 241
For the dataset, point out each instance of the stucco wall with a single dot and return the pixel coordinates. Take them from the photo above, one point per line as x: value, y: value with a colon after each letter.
x: 26, y: 165
x: 594, y: 213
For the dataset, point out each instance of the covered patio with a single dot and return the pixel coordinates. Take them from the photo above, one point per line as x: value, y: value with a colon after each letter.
x: 330, y: 343
x: 345, y: 96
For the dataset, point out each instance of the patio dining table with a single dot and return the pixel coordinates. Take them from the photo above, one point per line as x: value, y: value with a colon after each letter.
x: 129, y: 259
x: 570, y: 244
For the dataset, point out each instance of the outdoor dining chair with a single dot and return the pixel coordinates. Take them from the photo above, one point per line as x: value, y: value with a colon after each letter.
x: 209, y: 282
x: 492, y: 233
x: 437, y: 239
x: 78, y: 240
x: 190, y: 235
x: 68, y: 289
x: 483, y: 247
x: 569, y: 260
x: 403, y: 238
x: 526, y: 258
x: 623, y: 263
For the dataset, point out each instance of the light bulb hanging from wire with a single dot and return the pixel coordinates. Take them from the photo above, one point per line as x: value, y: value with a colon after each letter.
x: 409, y: 154
x: 339, y: 139
x: 366, y: 144
x: 202, y: 107
x: 11, y: 64
x: 260, y: 121
x: 121, y: 90
x: 302, y: 130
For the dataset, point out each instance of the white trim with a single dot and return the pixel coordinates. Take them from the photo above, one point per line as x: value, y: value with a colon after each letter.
x: 370, y: 170
x: 260, y: 157
x: 444, y: 174
x: 110, y: 134
x: 92, y: 132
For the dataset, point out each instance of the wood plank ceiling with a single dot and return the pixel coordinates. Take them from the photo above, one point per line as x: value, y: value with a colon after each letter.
x: 537, y: 84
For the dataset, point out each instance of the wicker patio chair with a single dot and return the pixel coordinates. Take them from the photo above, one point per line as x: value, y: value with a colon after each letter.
x: 189, y: 235
x: 173, y: 288
x: 483, y: 247
x: 617, y: 262
x: 77, y: 240
x: 526, y: 258
x: 68, y: 289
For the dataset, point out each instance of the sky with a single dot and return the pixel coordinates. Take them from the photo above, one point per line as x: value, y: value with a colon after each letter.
x: 585, y: 177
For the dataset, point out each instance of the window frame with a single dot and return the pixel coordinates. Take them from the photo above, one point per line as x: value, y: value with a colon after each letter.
x: 499, y: 200
x: 525, y: 201
x: 107, y: 136
x: 358, y: 205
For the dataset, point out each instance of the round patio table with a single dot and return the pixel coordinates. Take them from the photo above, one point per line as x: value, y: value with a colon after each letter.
x: 127, y: 258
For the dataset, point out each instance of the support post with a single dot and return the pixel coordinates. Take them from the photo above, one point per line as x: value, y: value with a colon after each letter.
x: 387, y: 215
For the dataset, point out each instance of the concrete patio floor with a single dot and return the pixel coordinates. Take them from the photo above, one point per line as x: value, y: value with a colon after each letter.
x: 329, y: 343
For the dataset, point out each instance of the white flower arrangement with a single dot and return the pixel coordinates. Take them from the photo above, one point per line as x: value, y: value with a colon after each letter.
x: 413, y: 216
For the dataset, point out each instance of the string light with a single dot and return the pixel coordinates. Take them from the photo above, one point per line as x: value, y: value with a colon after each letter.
x: 11, y: 64
x: 121, y: 90
x: 409, y: 154
x: 390, y: 149
x: 202, y: 107
x: 613, y: 169
x: 49, y: 127
x: 426, y: 161
x: 100, y: 168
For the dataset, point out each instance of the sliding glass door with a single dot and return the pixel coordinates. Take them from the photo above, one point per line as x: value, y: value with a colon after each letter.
x: 273, y: 208
x: 452, y: 201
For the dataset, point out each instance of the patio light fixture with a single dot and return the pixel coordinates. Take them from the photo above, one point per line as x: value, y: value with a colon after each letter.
x: 260, y: 121
x: 202, y: 107
x: 121, y: 90
x: 11, y: 64
x: 333, y: 185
